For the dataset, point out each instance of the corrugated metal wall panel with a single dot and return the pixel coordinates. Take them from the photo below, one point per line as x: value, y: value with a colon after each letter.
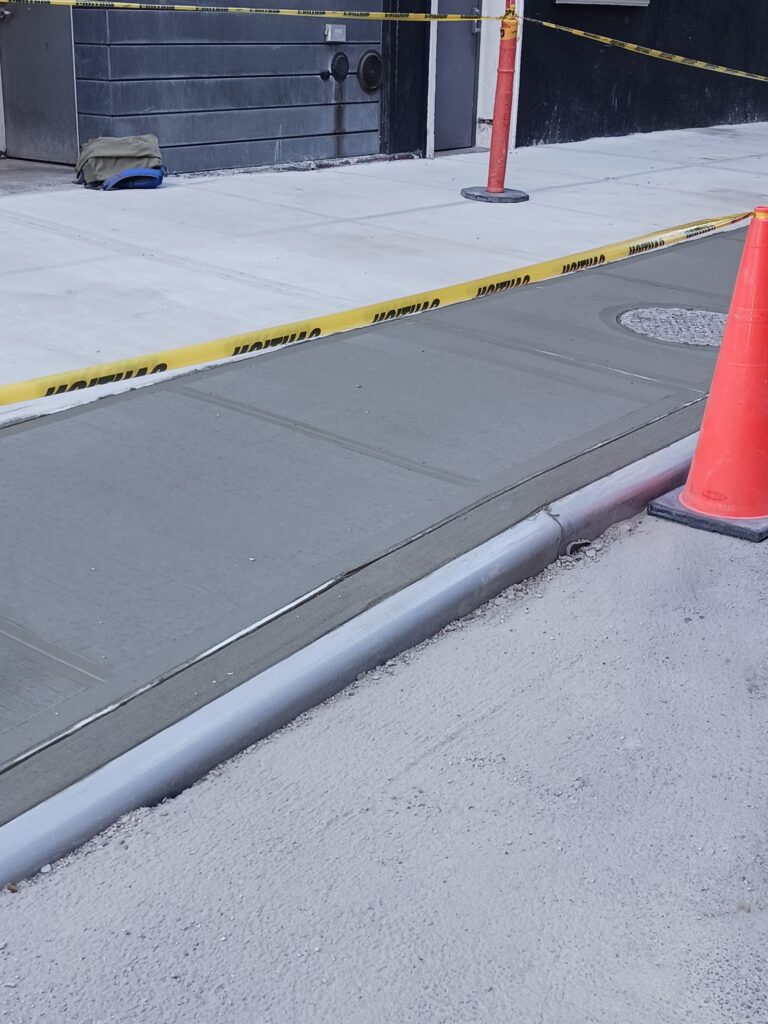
x: 201, y: 94
x: 209, y: 60
x: 245, y: 125
x: 225, y: 90
x: 275, y: 151
x: 149, y: 27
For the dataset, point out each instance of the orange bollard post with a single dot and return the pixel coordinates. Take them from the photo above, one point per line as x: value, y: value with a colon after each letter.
x: 727, y: 487
x: 495, y: 192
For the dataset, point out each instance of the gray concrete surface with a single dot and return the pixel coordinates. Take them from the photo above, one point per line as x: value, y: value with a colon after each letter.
x: 18, y: 176
x: 554, y: 812
x: 169, y: 761
x: 149, y: 527
x: 210, y: 257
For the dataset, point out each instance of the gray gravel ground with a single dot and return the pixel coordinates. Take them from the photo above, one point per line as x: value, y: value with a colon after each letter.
x: 553, y: 813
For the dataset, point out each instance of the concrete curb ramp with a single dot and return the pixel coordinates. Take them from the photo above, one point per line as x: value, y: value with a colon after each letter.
x: 179, y: 755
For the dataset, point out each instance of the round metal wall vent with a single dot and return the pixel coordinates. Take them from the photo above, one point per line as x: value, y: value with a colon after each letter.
x: 340, y: 66
x: 370, y: 71
x: 684, y: 326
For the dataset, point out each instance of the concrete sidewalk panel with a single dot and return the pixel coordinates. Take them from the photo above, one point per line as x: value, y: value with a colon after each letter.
x: 208, y: 257
x: 147, y: 528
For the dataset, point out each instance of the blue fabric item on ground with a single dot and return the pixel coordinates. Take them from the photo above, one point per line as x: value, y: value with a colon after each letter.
x: 135, y: 177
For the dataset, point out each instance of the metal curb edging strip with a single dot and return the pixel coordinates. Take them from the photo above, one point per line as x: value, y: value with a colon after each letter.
x: 181, y: 754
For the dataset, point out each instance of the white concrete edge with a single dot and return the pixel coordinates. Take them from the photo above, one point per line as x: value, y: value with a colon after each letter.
x: 167, y: 763
x: 429, y: 148
x: 2, y: 110
x: 520, y: 5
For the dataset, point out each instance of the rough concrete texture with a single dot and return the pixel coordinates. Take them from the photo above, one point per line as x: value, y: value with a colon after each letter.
x: 554, y: 812
x: 686, y: 326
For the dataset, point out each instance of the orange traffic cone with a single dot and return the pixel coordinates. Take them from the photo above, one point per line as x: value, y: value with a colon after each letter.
x: 727, y: 488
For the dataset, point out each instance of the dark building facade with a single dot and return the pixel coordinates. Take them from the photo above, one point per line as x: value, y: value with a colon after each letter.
x: 242, y: 90
x: 224, y: 91
x: 573, y: 88
x: 219, y: 91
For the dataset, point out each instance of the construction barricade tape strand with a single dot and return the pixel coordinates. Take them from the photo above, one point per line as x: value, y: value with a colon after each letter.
x: 292, y: 12
x: 138, y: 367
x: 285, y: 12
x: 647, y: 51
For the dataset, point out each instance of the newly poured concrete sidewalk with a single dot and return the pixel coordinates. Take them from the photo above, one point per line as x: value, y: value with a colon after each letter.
x: 553, y: 813
x: 88, y: 277
x: 143, y: 530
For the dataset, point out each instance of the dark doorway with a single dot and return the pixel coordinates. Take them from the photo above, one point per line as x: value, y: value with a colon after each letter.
x: 38, y: 79
x: 405, y: 51
x: 458, y: 51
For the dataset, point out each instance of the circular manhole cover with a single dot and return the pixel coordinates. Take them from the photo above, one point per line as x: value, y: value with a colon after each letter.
x: 685, y: 326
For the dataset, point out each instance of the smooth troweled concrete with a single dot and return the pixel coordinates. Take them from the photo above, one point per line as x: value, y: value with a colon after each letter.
x: 87, y: 277
x: 552, y: 812
x: 30, y: 176
x: 167, y: 762
x: 145, y: 529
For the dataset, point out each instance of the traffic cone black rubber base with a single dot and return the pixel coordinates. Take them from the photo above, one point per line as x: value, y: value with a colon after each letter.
x: 481, y: 193
x: 668, y: 506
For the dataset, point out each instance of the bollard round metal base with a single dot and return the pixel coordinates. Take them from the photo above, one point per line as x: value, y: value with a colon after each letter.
x: 481, y: 193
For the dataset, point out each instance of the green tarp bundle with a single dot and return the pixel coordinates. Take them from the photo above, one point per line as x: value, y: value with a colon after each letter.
x: 101, y: 158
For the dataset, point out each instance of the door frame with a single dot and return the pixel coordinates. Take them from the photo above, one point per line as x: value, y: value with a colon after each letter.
x: 65, y: 66
x: 480, y: 6
x: 2, y: 114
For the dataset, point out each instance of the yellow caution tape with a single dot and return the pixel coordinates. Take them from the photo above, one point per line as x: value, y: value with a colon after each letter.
x: 292, y: 12
x: 285, y: 12
x: 649, y: 52
x: 137, y: 367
